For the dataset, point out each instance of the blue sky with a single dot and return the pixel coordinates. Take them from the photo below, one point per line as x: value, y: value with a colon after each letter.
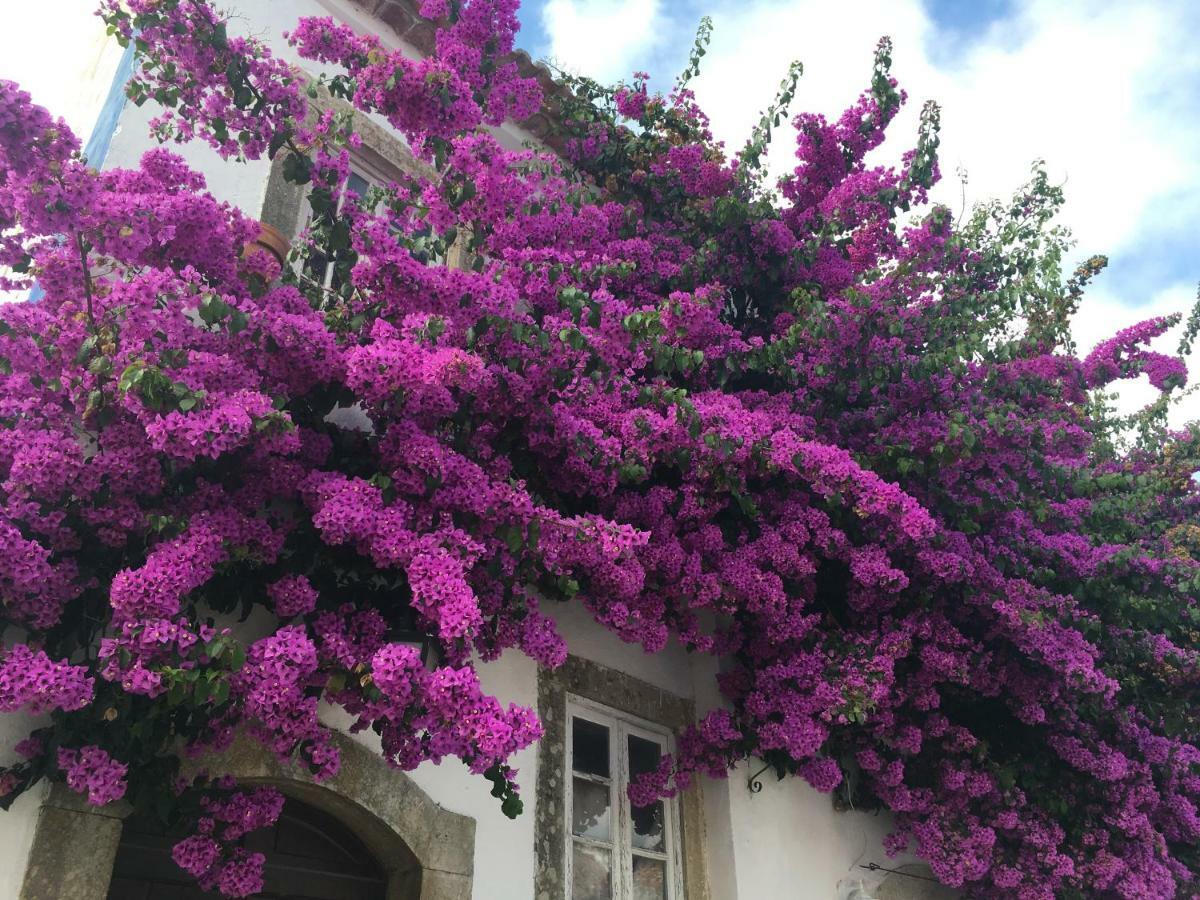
x: 1108, y: 93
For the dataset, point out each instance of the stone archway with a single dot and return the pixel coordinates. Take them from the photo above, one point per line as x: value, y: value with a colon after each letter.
x: 427, y: 852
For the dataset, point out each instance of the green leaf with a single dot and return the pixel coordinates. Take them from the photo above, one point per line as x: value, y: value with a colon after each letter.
x: 297, y: 169
x: 85, y: 350
x: 131, y: 377
x: 278, y: 140
x: 220, y: 691
x: 514, y: 539
x: 237, y: 657
x: 101, y: 365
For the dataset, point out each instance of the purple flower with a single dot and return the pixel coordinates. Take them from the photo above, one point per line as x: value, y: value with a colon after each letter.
x: 92, y: 771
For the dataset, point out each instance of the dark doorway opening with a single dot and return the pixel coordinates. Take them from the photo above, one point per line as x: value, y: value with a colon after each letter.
x: 311, y: 855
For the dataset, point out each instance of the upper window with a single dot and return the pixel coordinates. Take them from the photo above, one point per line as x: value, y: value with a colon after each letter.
x: 363, y: 177
x: 617, y: 851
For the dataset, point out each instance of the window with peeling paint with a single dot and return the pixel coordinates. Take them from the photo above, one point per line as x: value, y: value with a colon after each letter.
x: 617, y: 851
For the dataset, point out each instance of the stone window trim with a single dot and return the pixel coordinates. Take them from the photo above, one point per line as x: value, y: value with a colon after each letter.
x: 582, y: 678
x: 382, y: 153
x: 382, y: 149
x: 428, y: 852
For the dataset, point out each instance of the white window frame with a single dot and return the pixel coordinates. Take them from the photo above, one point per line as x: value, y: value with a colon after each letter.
x: 620, y: 726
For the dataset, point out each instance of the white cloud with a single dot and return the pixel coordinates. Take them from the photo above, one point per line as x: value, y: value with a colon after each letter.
x: 603, y: 38
x: 1097, y: 89
x: 1101, y: 315
x: 1104, y: 91
x: 1093, y: 88
x: 58, y: 51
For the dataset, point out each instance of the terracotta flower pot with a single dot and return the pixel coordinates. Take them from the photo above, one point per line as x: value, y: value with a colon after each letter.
x: 271, y: 240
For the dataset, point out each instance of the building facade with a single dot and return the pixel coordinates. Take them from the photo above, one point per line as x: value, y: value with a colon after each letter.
x: 435, y: 833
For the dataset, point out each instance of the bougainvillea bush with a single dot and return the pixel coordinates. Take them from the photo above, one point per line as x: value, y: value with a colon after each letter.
x: 813, y: 428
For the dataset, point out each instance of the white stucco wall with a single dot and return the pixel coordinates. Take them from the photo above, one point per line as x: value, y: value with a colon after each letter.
x: 57, y: 51
x: 18, y: 823
x: 244, y: 184
x: 786, y: 842
x: 790, y: 842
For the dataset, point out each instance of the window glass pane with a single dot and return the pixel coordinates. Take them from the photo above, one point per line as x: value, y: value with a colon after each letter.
x: 358, y: 184
x: 648, y: 827
x: 591, y: 810
x: 649, y: 879
x: 316, y: 267
x: 591, y: 873
x: 643, y: 755
x: 590, y: 743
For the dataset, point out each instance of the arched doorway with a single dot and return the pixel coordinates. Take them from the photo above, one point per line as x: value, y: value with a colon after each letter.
x: 425, y: 852
x: 311, y: 855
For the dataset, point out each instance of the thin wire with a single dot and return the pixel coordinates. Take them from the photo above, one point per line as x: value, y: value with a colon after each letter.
x: 875, y: 867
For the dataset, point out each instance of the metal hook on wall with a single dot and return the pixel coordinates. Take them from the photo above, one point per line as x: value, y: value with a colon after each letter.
x: 754, y: 784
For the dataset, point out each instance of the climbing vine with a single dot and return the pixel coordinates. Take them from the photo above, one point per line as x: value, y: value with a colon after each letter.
x: 812, y: 428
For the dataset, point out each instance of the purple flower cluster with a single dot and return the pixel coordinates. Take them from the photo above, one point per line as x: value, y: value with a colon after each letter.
x: 190, y: 42
x: 213, y: 856
x: 273, y: 687
x: 1121, y: 357
x: 292, y: 595
x: 842, y: 451
x: 32, y: 682
x: 92, y: 771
